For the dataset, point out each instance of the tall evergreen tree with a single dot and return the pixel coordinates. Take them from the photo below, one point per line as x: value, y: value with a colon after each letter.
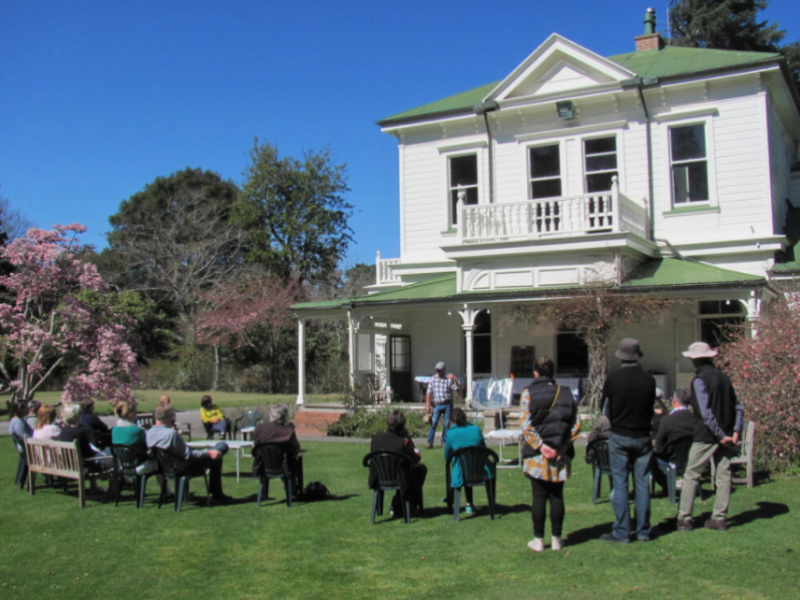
x: 730, y: 25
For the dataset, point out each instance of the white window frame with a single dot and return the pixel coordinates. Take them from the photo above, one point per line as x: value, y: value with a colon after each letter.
x: 562, y: 163
x: 708, y: 125
x: 476, y: 149
x: 617, y: 152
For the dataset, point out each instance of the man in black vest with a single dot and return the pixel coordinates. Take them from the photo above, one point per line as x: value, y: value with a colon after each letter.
x: 629, y: 394
x: 718, y: 425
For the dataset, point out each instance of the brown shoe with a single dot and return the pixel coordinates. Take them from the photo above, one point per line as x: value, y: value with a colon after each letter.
x: 685, y: 524
x: 716, y: 524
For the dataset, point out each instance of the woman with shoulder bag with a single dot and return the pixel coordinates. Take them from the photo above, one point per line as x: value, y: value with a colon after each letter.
x: 550, y: 424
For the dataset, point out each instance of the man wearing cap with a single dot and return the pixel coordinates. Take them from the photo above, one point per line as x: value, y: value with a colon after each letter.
x: 629, y: 394
x: 718, y: 425
x: 439, y: 400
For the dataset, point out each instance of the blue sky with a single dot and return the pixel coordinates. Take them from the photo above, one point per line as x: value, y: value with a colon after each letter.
x: 101, y: 97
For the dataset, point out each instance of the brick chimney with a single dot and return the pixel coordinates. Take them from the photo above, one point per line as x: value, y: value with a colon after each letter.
x: 650, y: 40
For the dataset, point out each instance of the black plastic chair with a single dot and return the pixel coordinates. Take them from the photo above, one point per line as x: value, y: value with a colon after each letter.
x: 391, y: 469
x: 128, y: 458
x: 681, y: 452
x: 474, y: 462
x: 271, y: 459
x: 22, y: 466
x: 601, y: 465
x: 172, y: 468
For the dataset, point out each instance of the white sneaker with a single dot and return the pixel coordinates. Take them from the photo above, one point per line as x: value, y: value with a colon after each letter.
x: 536, y: 544
x: 556, y: 544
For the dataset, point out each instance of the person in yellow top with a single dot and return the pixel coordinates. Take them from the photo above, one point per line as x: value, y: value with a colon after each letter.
x: 213, y: 419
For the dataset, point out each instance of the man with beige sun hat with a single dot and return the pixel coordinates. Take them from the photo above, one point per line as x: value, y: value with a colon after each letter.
x: 718, y: 425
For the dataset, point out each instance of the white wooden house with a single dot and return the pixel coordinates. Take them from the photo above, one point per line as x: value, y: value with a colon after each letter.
x: 667, y: 170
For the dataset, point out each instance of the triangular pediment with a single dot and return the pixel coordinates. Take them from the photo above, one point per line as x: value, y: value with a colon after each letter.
x: 558, y: 66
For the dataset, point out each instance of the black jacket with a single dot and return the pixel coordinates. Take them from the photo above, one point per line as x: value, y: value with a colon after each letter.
x: 629, y: 394
x: 554, y: 425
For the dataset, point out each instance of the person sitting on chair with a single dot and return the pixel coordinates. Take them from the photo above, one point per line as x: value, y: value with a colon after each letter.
x: 213, y: 419
x: 279, y: 431
x: 46, y: 428
x: 128, y: 433
x: 461, y: 434
x: 71, y: 432
x: 18, y: 425
x: 100, y: 434
x: 163, y: 436
x: 677, y: 425
x: 397, y: 439
x: 33, y: 412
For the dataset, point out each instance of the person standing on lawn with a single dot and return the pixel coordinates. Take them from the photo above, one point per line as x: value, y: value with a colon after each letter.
x: 629, y: 394
x: 718, y: 425
x: 439, y: 401
x: 550, y: 424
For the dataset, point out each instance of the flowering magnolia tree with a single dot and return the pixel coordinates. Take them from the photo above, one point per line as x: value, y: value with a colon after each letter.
x: 766, y: 373
x: 50, y: 330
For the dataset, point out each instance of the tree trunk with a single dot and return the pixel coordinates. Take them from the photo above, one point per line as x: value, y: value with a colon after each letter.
x: 215, y: 383
x: 597, y: 342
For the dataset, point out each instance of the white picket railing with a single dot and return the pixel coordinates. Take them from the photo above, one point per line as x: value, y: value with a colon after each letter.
x: 384, y: 270
x: 551, y: 217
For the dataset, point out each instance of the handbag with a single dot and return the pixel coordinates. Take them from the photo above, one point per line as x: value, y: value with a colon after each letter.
x: 426, y: 418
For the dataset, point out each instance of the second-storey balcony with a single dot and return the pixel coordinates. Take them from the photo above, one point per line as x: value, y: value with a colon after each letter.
x: 552, y: 217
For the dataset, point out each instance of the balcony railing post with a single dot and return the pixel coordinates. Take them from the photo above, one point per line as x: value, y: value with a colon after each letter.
x: 460, y: 218
x: 615, y: 207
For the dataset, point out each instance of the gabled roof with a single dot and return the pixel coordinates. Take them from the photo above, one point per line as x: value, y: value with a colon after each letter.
x: 655, y: 273
x: 671, y: 61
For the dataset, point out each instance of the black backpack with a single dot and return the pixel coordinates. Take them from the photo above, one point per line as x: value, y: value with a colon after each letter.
x: 316, y: 490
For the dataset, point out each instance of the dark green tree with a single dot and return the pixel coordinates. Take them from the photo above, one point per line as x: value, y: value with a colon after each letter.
x: 730, y: 25
x: 173, y: 241
x: 295, y: 213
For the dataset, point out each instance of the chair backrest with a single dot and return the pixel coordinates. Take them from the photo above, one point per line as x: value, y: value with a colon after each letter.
x: 128, y: 458
x: 601, y: 458
x: 389, y: 467
x: 474, y: 461
x: 271, y: 459
x: 170, y: 464
x: 746, y: 445
x: 19, y: 444
x: 251, y: 418
x: 371, y: 383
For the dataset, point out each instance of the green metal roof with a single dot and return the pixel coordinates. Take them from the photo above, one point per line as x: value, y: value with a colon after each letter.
x: 674, y: 60
x: 670, y: 61
x: 666, y: 272
x: 663, y: 272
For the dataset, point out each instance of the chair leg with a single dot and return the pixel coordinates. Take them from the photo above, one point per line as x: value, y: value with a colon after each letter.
x: 375, y: 501
x: 490, y: 497
x: 596, y: 486
x: 287, y: 483
x: 406, y: 506
x: 456, y: 503
x: 182, y: 488
x: 672, y: 481
x: 380, y: 502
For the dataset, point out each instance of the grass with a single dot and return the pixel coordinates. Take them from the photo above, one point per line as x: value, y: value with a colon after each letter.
x: 191, y: 400
x: 53, y: 549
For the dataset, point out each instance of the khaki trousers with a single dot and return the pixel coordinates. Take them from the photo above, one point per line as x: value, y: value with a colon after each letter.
x: 699, y: 456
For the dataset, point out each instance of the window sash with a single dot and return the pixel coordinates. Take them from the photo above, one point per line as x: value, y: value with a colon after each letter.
x: 545, y: 171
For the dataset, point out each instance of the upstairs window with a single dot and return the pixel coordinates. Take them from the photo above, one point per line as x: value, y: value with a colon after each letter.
x: 689, y: 164
x: 600, y: 156
x: 463, y: 182
x: 545, y: 174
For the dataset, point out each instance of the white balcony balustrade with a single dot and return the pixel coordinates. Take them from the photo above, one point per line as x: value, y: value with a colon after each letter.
x: 384, y: 270
x: 552, y: 217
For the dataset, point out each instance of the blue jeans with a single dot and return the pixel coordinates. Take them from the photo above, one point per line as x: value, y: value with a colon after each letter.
x: 627, y: 454
x: 438, y: 409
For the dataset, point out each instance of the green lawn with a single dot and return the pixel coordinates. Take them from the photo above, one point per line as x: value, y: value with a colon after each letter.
x: 53, y: 549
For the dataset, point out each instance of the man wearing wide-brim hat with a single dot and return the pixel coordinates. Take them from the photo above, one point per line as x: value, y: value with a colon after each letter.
x: 719, y: 420
x: 629, y: 394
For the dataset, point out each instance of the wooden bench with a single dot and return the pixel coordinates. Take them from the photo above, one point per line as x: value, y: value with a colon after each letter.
x: 59, y: 459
